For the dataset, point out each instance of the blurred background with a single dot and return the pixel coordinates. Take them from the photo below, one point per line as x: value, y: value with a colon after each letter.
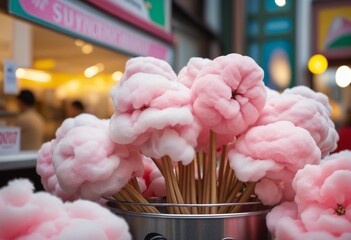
x: 77, y: 50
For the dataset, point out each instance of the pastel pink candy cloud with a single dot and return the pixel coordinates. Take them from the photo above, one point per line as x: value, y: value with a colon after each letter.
x: 309, y: 93
x: 322, y: 205
x: 84, y: 119
x: 322, y: 191
x: 271, y: 155
x: 188, y: 73
x: 148, y: 65
x: 45, y: 169
x: 305, y: 113
x: 153, y: 182
x: 147, y: 107
x: 88, y: 163
x: 28, y: 215
x: 228, y: 94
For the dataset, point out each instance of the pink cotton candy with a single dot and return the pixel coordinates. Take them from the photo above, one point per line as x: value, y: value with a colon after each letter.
x: 84, y: 119
x: 284, y: 223
x: 147, y: 107
x: 285, y: 209
x: 323, y: 203
x: 309, y: 93
x: 90, y: 164
x: 268, y: 151
x: 28, y: 215
x: 323, y: 190
x: 148, y: 65
x: 305, y: 113
x: 153, y: 180
x: 271, y: 93
x: 45, y: 169
x: 228, y: 94
x: 188, y: 73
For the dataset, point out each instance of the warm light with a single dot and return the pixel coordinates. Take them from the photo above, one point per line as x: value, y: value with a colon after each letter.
x: 34, y: 75
x: 44, y: 64
x: 317, y: 64
x: 343, y: 76
x: 93, y: 70
x: 279, y: 68
x: 87, y: 48
x: 79, y: 42
x: 116, y: 76
x: 280, y: 3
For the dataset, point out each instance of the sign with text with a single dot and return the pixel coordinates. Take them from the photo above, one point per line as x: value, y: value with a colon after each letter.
x: 10, y: 80
x: 10, y: 138
x: 82, y: 21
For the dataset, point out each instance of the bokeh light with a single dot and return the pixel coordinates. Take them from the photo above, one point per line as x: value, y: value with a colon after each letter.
x: 343, y: 76
x: 317, y: 64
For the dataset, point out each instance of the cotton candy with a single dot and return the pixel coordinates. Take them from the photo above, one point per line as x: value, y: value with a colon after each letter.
x: 188, y: 73
x: 148, y: 65
x: 228, y: 94
x: 309, y: 93
x: 153, y: 180
x: 147, y: 107
x: 28, y: 215
x: 328, y: 189
x: 271, y: 93
x: 46, y: 171
x: 88, y: 163
x: 84, y: 119
x: 322, y: 205
x: 305, y: 113
x: 273, y: 152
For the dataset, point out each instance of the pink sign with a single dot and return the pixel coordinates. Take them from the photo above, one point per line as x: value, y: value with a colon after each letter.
x: 105, y: 30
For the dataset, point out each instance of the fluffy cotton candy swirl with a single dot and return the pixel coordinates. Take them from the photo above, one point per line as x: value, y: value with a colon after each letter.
x: 90, y: 164
x: 149, y: 107
x: 148, y: 65
x: 323, y: 195
x: 28, y: 215
x: 188, y: 73
x: 46, y: 171
x: 322, y: 204
x: 305, y: 113
x: 228, y: 94
x: 84, y: 119
x: 271, y: 155
x: 309, y: 93
x: 154, y: 181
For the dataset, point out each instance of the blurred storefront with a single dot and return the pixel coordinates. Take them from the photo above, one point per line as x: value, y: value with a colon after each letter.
x: 71, y: 50
x: 68, y: 50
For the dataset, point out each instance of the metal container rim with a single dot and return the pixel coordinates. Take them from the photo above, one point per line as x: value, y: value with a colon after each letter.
x: 190, y: 216
x: 163, y: 204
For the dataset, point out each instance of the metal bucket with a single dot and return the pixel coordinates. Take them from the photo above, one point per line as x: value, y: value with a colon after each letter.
x: 248, y: 225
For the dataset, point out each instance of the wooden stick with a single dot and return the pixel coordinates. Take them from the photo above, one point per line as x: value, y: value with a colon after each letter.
x: 171, y: 197
x: 123, y: 207
x: 139, y: 198
x: 193, y: 187
x: 174, y: 183
x: 230, y: 181
x: 135, y: 184
x: 206, y: 184
x: 199, y: 182
x: 245, y: 196
x: 231, y: 195
x: 221, y: 176
x: 213, y: 177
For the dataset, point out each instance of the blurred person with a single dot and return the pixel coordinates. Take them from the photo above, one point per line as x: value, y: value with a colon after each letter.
x: 75, y: 108
x: 30, y: 121
x: 344, y: 132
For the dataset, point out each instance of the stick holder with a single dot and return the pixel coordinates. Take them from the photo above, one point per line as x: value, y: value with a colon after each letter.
x: 246, y: 225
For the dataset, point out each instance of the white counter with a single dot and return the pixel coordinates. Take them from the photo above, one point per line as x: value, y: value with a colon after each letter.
x: 23, y: 159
